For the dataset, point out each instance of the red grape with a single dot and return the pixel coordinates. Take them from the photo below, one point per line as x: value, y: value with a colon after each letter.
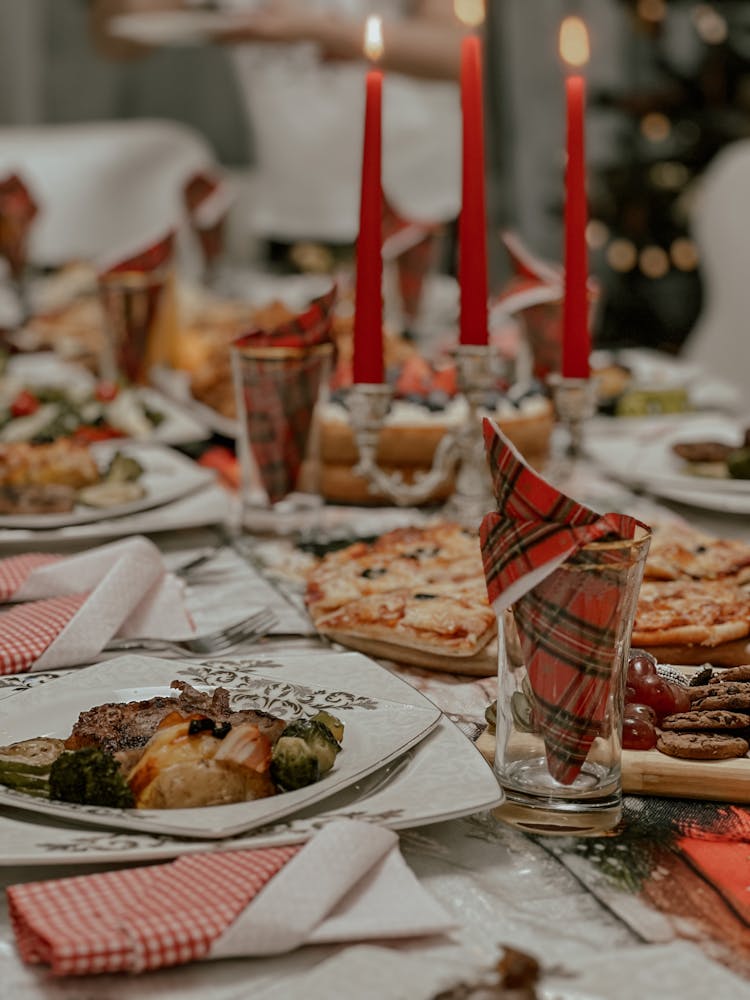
x: 658, y: 694
x: 629, y: 695
x: 637, y: 734
x: 682, y: 701
x: 640, y: 667
x: 644, y: 712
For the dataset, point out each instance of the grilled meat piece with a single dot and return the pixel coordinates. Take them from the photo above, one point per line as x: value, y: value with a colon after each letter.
x: 127, y: 726
x: 119, y: 725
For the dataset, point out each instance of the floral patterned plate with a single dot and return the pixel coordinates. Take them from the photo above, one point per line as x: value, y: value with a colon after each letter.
x: 441, y: 778
x: 376, y: 732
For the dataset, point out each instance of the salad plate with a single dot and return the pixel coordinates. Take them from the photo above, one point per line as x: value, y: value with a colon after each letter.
x: 167, y: 476
x: 376, y: 731
x: 646, y: 460
x: 443, y: 777
x: 137, y: 412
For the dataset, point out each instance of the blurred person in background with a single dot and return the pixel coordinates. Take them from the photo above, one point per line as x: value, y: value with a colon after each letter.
x: 301, y: 70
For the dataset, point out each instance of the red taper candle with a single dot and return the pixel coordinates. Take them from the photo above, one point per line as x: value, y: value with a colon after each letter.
x: 472, y: 233
x: 368, y: 314
x: 576, y: 343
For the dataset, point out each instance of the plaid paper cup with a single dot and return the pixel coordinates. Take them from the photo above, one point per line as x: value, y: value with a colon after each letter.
x: 278, y: 390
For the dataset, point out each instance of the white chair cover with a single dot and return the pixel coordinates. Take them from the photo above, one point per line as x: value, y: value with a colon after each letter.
x: 103, y: 185
x: 720, y: 341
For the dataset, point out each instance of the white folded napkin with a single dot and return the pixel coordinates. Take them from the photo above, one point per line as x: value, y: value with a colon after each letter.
x: 66, y: 609
x: 350, y: 883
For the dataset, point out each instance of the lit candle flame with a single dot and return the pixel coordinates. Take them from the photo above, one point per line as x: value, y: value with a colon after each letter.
x: 574, y: 42
x: 373, y: 46
x: 469, y: 12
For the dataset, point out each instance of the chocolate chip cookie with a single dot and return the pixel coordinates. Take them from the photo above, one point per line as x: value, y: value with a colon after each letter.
x: 734, y: 674
x: 733, y: 702
x: 702, y: 746
x: 698, y: 720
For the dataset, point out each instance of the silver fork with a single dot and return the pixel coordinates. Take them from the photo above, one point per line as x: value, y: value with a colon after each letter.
x: 253, y: 627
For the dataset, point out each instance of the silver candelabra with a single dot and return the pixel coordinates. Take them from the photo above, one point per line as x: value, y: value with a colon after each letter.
x: 460, y: 451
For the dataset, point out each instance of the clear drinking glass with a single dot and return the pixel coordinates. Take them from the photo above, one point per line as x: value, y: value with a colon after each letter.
x: 279, y: 391
x: 563, y: 651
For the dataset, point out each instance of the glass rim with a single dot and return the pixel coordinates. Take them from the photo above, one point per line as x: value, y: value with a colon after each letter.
x: 643, y: 535
x: 269, y: 353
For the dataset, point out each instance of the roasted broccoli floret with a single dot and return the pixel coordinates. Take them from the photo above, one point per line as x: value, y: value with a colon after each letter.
x: 336, y: 726
x: 293, y: 764
x: 91, y: 777
x: 319, y: 739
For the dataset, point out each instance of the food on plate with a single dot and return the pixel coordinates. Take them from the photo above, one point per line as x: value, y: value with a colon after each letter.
x: 414, y: 587
x: 39, y: 414
x: 306, y: 750
x: 52, y: 478
x: 174, y: 753
x: 716, y: 459
x: 62, y: 463
x: 26, y: 765
x: 203, y: 348
x: 89, y: 776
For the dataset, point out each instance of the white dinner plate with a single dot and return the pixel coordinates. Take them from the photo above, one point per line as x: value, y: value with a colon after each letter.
x: 645, y: 460
x: 167, y: 476
x: 210, y: 505
x: 441, y: 778
x: 376, y: 731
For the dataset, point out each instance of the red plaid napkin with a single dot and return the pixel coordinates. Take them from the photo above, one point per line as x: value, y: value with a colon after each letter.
x: 141, y: 918
x: 566, y: 619
x: 414, y: 245
x: 131, y: 291
x: 17, y: 211
x: 535, y: 292
x: 279, y: 376
x: 207, y: 201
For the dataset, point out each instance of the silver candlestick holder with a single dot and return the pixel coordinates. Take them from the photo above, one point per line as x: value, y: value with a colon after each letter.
x: 479, y: 368
x: 574, y: 400
x: 460, y: 451
x: 368, y: 405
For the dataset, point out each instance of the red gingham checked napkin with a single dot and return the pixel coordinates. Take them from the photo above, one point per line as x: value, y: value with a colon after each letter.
x: 348, y: 883
x: 565, y: 620
x: 278, y: 375
x: 66, y: 609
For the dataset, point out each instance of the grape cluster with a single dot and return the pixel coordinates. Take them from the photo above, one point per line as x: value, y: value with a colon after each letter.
x: 649, y: 698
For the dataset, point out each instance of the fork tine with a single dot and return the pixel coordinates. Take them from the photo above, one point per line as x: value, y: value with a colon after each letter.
x: 255, y: 631
x: 254, y: 626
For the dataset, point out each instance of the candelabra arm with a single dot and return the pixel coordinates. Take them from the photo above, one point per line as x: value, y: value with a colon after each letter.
x: 368, y: 407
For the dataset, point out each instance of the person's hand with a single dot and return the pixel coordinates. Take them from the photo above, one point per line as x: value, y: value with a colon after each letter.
x: 101, y: 13
x: 290, y: 21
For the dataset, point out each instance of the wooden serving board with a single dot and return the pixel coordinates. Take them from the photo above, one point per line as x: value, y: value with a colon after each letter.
x: 649, y: 772
x: 481, y: 664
